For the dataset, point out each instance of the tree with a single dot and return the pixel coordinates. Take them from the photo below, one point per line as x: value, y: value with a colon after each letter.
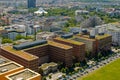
x: 77, y: 64
x: 91, y: 22
x: 44, y: 78
x: 88, y: 54
x: 50, y: 76
x: 6, y: 40
x: 18, y: 37
x: 99, y: 55
x: 66, y: 24
x: 64, y: 76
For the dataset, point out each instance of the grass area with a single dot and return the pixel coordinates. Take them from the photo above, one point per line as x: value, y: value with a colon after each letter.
x: 108, y: 72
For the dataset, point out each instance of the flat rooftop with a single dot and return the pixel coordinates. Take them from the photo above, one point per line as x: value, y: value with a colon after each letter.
x: 86, y: 37
x: 25, y: 74
x: 47, y: 65
x: 102, y: 36
x: 59, y: 45
x: 4, y: 60
x: 20, y: 53
x: 8, y: 67
x: 69, y: 41
x: 98, y: 37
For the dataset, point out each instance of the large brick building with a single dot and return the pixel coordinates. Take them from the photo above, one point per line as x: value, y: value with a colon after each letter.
x: 94, y: 45
x: 33, y: 57
x: 21, y: 57
x: 60, y: 53
x: 78, y: 47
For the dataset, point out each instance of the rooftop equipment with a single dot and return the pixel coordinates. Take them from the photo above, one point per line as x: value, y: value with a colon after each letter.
x: 84, y: 31
x: 101, y: 31
x: 29, y: 44
x: 69, y: 35
x: 92, y: 34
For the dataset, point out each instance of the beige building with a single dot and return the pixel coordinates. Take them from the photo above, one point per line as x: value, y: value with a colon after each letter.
x: 25, y: 74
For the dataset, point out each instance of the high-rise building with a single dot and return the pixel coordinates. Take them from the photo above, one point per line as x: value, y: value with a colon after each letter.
x: 31, y: 3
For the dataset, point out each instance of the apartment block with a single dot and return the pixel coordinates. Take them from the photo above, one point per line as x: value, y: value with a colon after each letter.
x: 78, y: 47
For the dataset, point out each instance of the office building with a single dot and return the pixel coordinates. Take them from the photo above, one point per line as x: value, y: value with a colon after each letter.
x: 96, y: 43
x: 32, y: 54
x: 31, y: 3
x: 78, y: 47
x: 21, y: 57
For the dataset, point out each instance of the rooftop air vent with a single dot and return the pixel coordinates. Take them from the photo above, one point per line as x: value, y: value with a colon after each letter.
x: 4, y: 70
x: 92, y: 34
x: 29, y: 44
x: 19, y: 78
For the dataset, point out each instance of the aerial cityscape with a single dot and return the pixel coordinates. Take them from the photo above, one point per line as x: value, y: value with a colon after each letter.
x: 59, y: 39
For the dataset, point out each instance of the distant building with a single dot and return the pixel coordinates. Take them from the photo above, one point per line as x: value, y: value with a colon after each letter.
x: 79, y: 12
x: 31, y: 3
x: 25, y: 74
x: 112, y: 29
x: 40, y: 11
x: 45, y: 36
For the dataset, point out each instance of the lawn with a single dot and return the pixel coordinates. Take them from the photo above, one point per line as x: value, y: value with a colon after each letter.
x: 108, y: 72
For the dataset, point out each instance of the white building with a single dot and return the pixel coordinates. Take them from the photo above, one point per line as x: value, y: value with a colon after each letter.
x: 40, y: 11
x: 45, y: 35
